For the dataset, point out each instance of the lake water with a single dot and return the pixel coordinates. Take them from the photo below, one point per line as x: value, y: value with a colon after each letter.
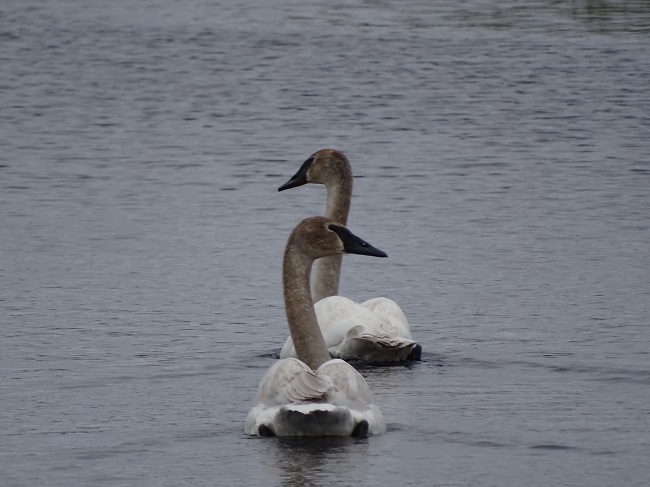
x: 501, y: 153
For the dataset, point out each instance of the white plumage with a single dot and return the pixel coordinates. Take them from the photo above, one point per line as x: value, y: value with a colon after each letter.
x: 375, y: 330
x: 294, y: 400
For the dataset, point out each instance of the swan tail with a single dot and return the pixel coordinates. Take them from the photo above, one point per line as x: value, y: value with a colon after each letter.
x: 372, y: 348
x: 313, y: 419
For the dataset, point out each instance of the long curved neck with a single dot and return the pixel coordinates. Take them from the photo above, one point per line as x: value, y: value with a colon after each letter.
x: 339, y: 195
x: 328, y: 269
x: 301, y: 317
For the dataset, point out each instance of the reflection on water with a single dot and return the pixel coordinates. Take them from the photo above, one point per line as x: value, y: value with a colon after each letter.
x: 311, y: 461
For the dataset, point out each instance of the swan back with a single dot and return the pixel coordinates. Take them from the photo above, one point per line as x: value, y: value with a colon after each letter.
x: 294, y: 400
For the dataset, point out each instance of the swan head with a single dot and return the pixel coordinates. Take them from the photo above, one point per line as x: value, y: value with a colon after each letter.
x: 319, y: 236
x: 323, y: 167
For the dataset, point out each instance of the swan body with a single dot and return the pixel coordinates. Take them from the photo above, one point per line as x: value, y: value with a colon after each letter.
x: 294, y: 400
x: 376, y: 330
x: 313, y: 395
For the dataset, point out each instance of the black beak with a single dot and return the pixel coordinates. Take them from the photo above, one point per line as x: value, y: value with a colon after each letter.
x: 355, y: 245
x: 299, y: 178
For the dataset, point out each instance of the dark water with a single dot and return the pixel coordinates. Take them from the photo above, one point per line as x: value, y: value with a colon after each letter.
x: 502, y: 161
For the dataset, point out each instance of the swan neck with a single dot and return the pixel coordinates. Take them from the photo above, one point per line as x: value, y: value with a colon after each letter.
x: 327, y: 277
x: 328, y: 269
x: 339, y: 196
x: 301, y: 317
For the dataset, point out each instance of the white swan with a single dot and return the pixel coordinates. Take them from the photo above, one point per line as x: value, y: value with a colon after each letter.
x: 376, y: 330
x: 313, y: 395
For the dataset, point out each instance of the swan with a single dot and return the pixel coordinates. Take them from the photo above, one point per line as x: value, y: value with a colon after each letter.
x: 376, y: 330
x: 313, y: 395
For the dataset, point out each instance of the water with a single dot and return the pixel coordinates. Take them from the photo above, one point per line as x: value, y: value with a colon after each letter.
x: 501, y: 159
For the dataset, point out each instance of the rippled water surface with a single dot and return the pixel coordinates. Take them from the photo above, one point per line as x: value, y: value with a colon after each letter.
x: 501, y: 159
